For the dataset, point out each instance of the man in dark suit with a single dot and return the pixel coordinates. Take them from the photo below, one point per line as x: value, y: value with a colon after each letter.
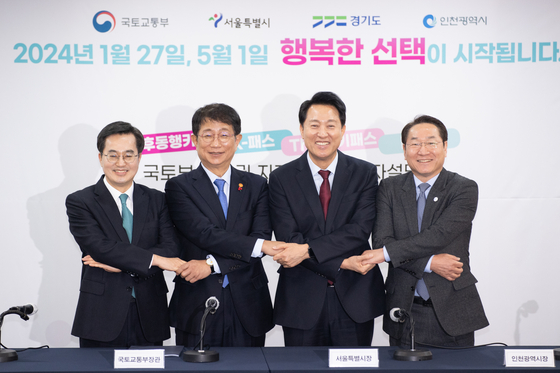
x: 323, y: 206
x: 423, y: 228
x: 221, y: 215
x: 127, y: 239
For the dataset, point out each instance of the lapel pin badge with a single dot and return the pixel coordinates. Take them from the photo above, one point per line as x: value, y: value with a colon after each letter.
x: 435, y: 199
x: 240, y: 187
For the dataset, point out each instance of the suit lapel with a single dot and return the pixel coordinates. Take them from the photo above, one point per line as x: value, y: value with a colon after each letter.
x: 141, y: 201
x: 435, y: 191
x: 202, y: 183
x: 342, y: 177
x: 236, y: 196
x: 109, y: 206
x: 408, y: 200
x: 309, y: 190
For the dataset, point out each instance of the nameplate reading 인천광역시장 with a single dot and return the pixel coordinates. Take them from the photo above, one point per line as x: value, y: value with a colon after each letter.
x: 529, y: 358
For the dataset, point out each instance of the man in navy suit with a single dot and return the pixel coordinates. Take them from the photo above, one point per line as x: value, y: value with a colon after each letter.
x: 423, y: 229
x: 323, y: 206
x: 127, y: 239
x: 221, y: 216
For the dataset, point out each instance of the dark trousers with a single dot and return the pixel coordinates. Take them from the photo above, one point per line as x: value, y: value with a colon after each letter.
x: 223, y: 329
x: 427, y: 330
x: 334, y: 328
x: 130, y: 335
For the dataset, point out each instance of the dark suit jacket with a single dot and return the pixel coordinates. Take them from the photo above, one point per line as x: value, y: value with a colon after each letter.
x: 446, y: 228
x: 96, y: 224
x: 297, y: 216
x: 198, y: 216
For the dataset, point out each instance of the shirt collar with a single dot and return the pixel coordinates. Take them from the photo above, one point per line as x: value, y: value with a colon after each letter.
x: 432, y: 181
x: 116, y: 194
x: 315, y: 169
x: 212, y: 176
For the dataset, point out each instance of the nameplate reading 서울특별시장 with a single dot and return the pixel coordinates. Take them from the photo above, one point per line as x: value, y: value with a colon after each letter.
x: 355, y: 357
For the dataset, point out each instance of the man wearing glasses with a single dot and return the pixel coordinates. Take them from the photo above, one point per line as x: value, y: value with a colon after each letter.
x: 423, y: 229
x: 221, y: 216
x: 127, y: 240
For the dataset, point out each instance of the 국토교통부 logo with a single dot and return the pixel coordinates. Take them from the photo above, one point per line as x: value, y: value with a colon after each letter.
x: 106, y: 26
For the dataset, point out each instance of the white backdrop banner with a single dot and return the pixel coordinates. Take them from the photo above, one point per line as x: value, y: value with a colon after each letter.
x: 488, y: 69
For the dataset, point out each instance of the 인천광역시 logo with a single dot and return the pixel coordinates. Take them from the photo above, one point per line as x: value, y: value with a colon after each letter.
x: 429, y: 21
x: 106, y: 26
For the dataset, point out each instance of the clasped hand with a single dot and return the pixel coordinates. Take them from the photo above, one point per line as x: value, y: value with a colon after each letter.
x: 365, y: 262
x: 288, y: 255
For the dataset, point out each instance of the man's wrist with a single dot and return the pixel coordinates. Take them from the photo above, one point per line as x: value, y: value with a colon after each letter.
x: 310, y: 252
x: 210, y: 262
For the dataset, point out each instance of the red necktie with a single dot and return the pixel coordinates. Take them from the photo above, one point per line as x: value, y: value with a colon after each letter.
x: 325, y: 198
x: 325, y: 191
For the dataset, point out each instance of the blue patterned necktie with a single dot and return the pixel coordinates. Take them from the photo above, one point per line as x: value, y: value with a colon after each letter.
x: 127, y: 223
x: 421, y: 203
x: 223, y: 201
x: 421, y: 288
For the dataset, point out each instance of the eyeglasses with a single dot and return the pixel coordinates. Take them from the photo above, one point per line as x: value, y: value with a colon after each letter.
x: 114, y: 158
x: 418, y: 145
x: 224, y: 137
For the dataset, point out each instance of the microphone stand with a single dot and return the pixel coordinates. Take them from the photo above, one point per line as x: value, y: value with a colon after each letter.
x: 200, y: 355
x: 5, y: 353
x: 413, y: 354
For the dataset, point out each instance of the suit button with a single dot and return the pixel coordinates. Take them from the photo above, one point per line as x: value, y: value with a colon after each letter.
x: 412, y: 288
x: 128, y: 288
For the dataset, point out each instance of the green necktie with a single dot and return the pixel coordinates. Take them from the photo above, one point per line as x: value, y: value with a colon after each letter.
x: 126, y: 217
x: 127, y: 224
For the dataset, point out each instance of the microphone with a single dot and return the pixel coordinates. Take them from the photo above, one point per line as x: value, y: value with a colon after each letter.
x: 28, y: 309
x: 23, y: 312
x: 212, y: 304
x: 200, y: 355
x: 398, y: 315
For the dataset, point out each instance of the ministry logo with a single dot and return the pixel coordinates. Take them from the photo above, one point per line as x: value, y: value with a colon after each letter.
x: 106, y: 26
